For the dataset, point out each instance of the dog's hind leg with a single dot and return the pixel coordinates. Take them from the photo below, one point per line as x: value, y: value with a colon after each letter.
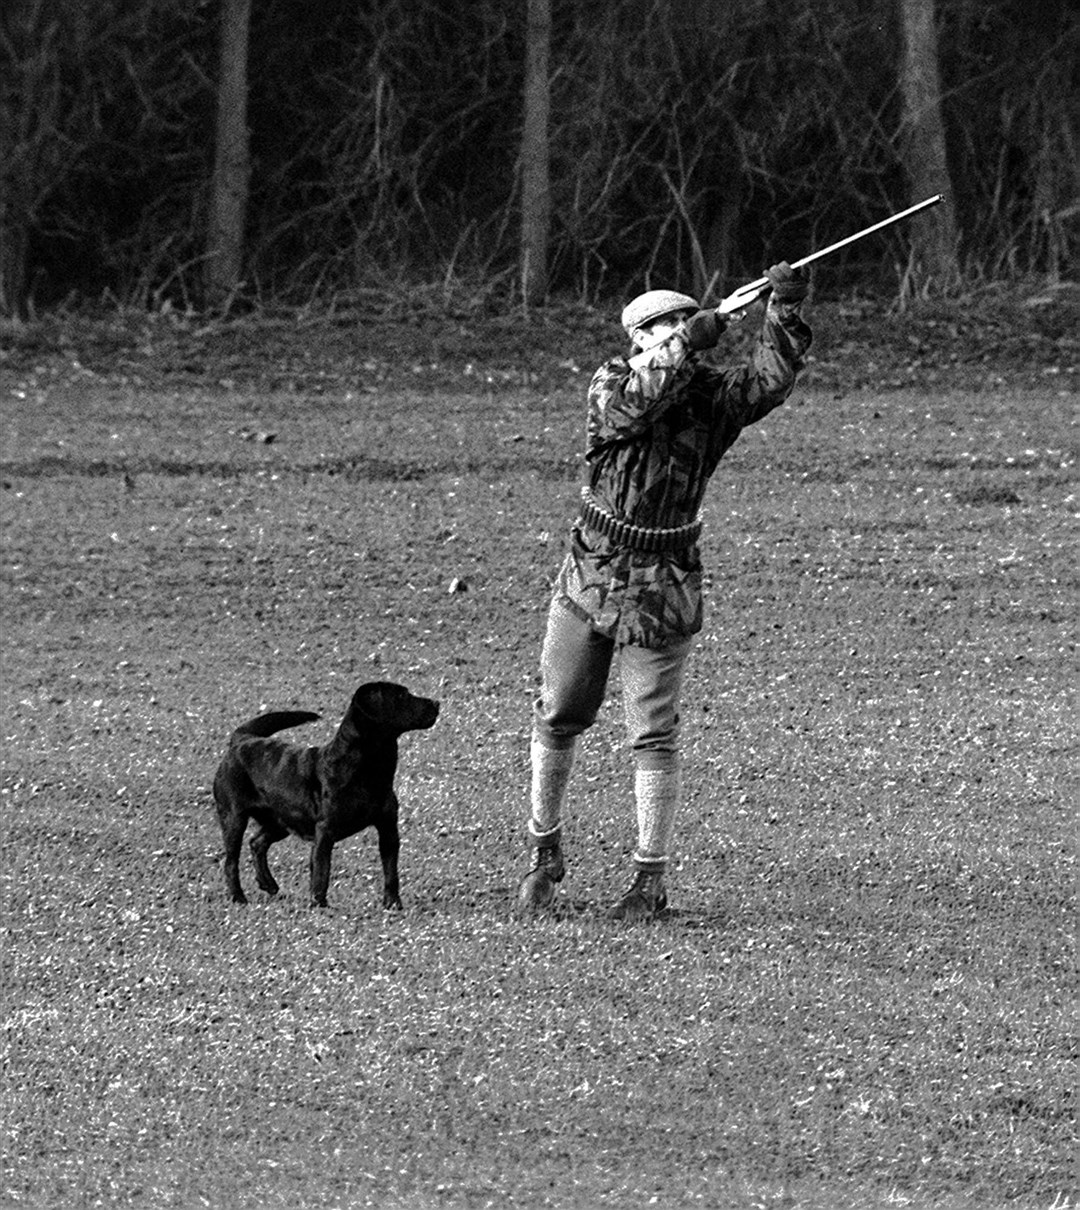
x: 232, y: 832
x: 389, y: 844
x: 265, y: 834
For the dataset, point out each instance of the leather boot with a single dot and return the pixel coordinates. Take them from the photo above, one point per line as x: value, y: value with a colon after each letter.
x: 646, y: 898
x: 537, y: 890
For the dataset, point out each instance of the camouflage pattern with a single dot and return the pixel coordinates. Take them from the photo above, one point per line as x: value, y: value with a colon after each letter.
x: 658, y: 424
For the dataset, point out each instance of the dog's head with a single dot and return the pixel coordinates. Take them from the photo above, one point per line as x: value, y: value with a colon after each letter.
x: 392, y: 708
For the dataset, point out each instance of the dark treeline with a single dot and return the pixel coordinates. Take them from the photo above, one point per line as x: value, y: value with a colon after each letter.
x: 688, y: 143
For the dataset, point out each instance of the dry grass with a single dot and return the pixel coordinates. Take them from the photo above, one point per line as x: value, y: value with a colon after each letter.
x: 864, y: 995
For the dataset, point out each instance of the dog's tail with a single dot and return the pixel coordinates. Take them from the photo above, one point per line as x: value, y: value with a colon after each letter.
x: 275, y: 720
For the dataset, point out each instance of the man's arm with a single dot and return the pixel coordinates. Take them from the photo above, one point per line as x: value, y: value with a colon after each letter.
x: 747, y: 393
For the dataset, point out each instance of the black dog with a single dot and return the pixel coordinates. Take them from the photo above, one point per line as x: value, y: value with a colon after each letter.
x: 320, y: 794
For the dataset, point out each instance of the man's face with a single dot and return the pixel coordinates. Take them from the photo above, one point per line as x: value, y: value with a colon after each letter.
x: 658, y: 329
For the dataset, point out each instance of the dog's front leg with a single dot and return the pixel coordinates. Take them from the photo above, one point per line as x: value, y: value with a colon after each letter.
x: 389, y: 844
x: 232, y: 878
x: 320, y: 865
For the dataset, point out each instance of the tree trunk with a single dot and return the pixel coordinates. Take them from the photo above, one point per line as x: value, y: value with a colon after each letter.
x: 232, y: 156
x: 31, y: 162
x: 725, y: 199
x: 14, y: 232
x: 934, y: 239
x: 536, y: 156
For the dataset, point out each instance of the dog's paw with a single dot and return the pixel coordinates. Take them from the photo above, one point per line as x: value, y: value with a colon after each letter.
x: 391, y: 903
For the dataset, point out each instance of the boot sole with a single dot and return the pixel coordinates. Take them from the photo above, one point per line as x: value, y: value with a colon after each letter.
x: 536, y: 893
x: 636, y: 910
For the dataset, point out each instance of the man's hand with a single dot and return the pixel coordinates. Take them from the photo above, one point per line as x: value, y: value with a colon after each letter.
x: 788, y: 285
x: 703, y: 330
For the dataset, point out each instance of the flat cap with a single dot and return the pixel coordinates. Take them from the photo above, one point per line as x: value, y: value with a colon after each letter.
x: 652, y: 305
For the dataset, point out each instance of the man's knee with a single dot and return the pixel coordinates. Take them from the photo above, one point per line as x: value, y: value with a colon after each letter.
x: 655, y: 741
x: 556, y: 727
x: 657, y: 757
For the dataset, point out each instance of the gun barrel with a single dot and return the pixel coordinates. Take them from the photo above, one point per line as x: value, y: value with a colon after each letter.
x: 885, y: 222
x: 745, y: 295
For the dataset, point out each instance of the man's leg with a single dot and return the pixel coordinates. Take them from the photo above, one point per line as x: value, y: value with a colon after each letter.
x: 652, y: 685
x: 574, y: 666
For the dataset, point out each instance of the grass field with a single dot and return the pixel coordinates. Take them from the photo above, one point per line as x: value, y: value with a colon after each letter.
x: 864, y: 996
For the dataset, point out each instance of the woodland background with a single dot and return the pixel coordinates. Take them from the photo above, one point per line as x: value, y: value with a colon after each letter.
x: 300, y: 303
x: 228, y: 153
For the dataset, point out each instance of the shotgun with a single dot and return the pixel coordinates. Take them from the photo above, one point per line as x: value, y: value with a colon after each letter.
x: 752, y: 291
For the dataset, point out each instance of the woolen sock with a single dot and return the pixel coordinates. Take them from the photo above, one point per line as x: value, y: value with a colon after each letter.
x: 550, y: 774
x: 657, y: 794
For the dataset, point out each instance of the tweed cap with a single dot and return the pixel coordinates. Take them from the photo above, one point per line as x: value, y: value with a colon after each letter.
x: 652, y: 305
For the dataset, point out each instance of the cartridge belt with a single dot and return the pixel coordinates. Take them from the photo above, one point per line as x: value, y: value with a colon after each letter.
x: 634, y: 537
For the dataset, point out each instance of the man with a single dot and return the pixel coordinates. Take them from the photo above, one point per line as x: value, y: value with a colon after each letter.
x: 659, y: 422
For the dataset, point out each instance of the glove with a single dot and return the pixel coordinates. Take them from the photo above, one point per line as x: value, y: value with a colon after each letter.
x: 703, y: 329
x: 788, y: 285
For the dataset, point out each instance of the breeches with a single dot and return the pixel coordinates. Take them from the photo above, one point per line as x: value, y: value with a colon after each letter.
x: 575, y: 664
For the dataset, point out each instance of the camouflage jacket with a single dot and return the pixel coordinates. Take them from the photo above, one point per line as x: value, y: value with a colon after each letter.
x: 658, y: 425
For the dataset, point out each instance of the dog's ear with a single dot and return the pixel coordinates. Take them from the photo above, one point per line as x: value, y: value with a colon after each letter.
x: 374, y: 700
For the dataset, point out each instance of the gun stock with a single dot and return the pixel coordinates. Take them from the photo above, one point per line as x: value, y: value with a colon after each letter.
x: 752, y: 291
